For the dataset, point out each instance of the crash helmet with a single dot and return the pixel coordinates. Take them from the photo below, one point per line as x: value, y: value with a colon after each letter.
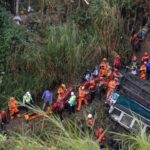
x: 63, y: 85
x: 28, y: 93
x: 90, y: 116
x: 72, y: 93
x: 104, y: 59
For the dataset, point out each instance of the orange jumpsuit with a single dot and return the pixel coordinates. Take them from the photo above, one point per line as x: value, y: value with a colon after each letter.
x: 82, y: 95
x: 13, y: 108
x: 143, y: 72
x: 103, y: 72
x: 104, y: 64
x: 111, y: 87
x: 61, y: 91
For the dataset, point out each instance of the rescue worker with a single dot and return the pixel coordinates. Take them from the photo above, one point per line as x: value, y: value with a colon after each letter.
x: 3, y: 116
x: 99, y: 134
x: 148, y: 70
x: 13, y: 108
x: 27, y: 100
x: 117, y: 62
x: 72, y: 103
x: 103, y: 71
x: 62, y: 90
x: 143, y: 71
x: 90, y: 121
x: 112, y: 86
x: 92, y: 89
x: 48, y: 98
x: 82, y: 97
x: 145, y: 58
x: 104, y: 63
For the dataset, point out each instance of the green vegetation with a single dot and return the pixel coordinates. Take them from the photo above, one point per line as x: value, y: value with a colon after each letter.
x: 59, y: 53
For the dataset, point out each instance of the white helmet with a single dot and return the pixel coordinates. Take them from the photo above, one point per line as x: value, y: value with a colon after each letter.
x: 89, y: 115
x: 72, y: 93
x: 28, y: 93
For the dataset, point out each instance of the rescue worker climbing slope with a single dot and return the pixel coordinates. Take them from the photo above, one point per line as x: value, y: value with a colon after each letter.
x: 13, y: 108
x: 82, y: 97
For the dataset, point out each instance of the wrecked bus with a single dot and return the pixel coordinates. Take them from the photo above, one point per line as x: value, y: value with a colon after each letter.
x: 130, y: 105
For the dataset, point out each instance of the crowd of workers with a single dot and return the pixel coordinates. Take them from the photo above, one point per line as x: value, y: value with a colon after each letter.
x: 104, y: 78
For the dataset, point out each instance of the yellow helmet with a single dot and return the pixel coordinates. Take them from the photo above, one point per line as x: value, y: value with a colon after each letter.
x: 63, y: 85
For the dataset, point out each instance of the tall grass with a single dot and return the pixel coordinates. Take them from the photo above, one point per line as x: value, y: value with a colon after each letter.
x: 57, y: 135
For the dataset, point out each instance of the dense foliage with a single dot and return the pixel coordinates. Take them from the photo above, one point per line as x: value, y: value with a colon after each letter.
x: 60, y: 53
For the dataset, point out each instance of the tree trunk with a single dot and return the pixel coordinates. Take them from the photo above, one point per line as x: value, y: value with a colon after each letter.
x: 17, y: 7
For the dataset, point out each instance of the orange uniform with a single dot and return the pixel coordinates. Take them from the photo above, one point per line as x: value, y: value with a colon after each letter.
x: 143, y: 72
x: 104, y: 67
x: 61, y: 90
x: 13, y: 108
x: 145, y: 58
x: 103, y: 72
x: 111, y: 86
x: 82, y: 97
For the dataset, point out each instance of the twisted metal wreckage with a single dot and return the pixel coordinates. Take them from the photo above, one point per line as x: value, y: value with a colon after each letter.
x: 130, y: 106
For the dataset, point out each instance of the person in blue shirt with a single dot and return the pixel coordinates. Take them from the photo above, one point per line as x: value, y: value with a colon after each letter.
x: 48, y: 98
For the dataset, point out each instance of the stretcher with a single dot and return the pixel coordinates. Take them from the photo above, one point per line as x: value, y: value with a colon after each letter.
x: 34, y: 115
x: 57, y: 105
